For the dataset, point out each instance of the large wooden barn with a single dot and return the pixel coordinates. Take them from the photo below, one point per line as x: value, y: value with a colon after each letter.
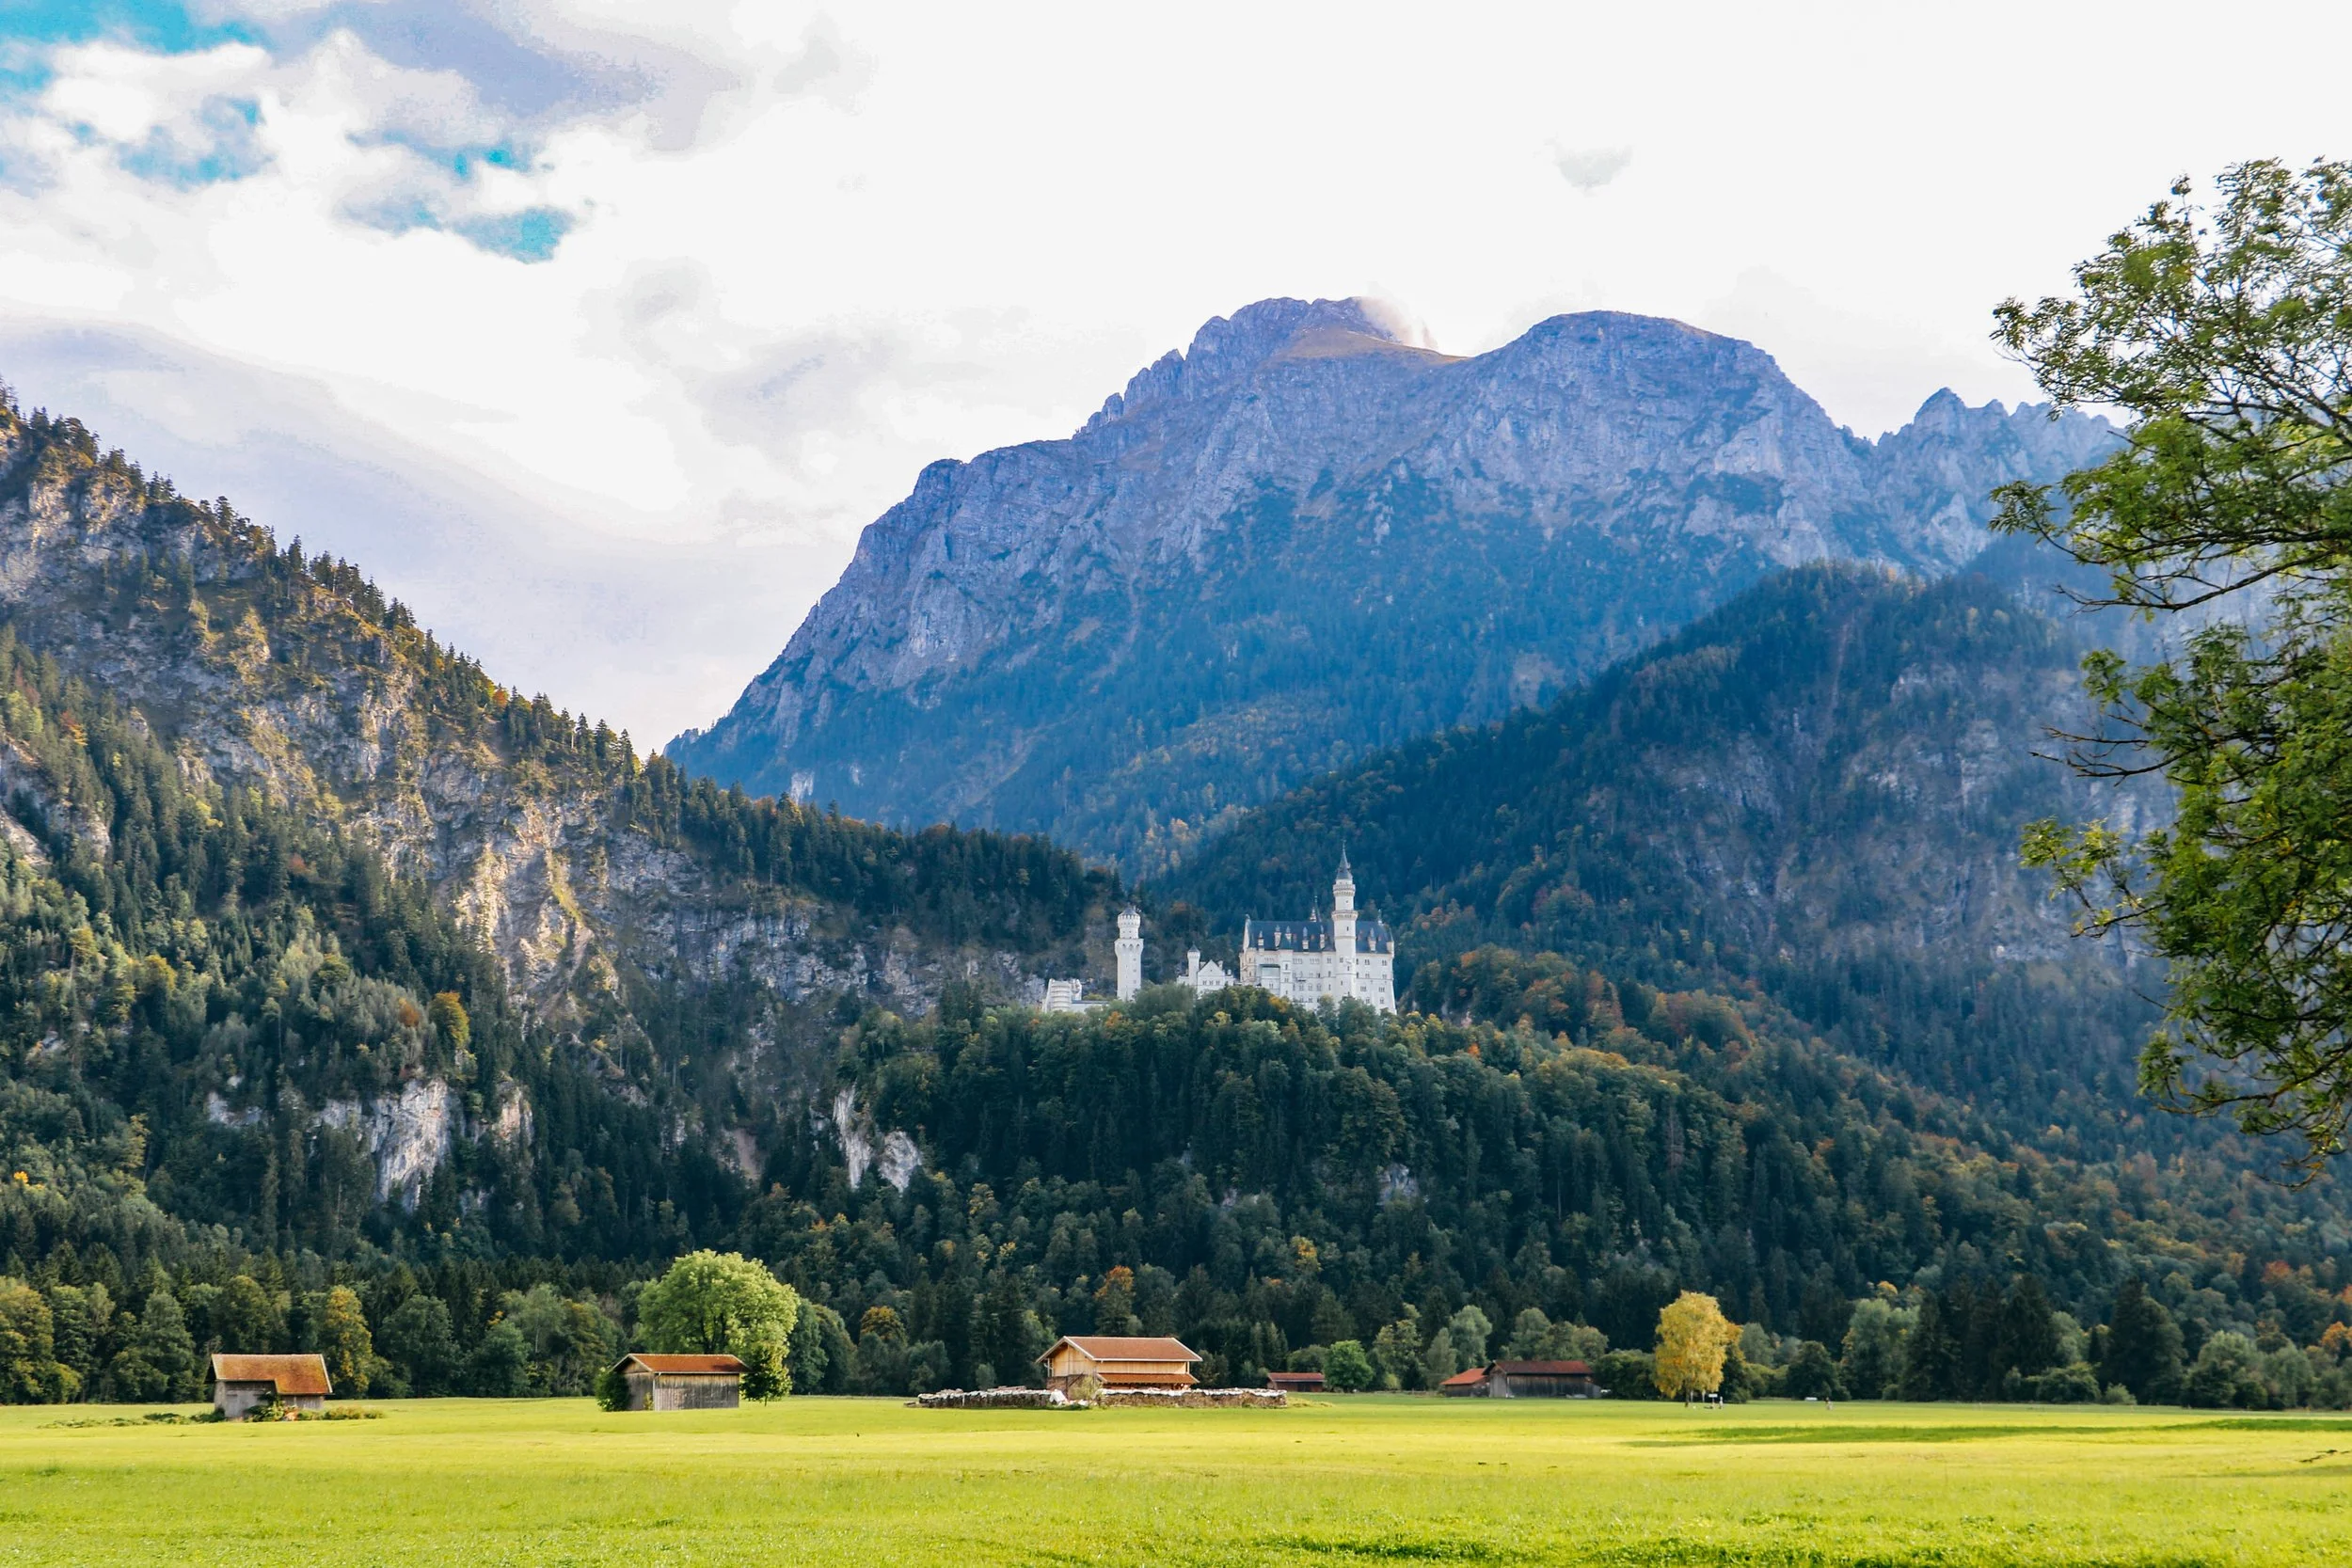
x: 1118, y: 1361
x: 1524, y: 1380
x: 243, y: 1383
x: 681, y: 1381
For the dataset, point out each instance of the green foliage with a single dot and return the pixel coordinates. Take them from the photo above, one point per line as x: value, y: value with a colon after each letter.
x: 1812, y: 1375
x: 723, y: 1304
x: 30, y: 1373
x: 345, y: 1343
x: 1761, y: 804
x: 1346, y: 1369
x: 2222, y: 333
x: 2143, y: 1346
x: 612, y: 1389
x: 1627, y: 1374
x: 157, y: 1363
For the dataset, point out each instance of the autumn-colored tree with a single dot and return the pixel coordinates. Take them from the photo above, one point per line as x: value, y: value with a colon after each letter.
x: 1692, y: 1339
x: 345, y: 1343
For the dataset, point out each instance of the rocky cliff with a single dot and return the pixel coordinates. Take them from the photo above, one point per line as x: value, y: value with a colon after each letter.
x: 1307, y: 537
x: 297, y: 678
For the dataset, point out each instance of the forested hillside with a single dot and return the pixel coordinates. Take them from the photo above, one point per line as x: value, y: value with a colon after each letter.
x: 1815, y: 795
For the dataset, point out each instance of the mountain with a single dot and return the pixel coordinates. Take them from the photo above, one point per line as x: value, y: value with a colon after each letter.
x: 1305, y: 538
x: 1813, y: 793
x: 259, y: 823
x: 350, y: 1002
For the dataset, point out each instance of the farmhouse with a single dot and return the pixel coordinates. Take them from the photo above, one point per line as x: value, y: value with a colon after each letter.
x: 287, y: 1381
x: 681, y: 1381
x: 1524, y: 1380
x: 1118, y: 1361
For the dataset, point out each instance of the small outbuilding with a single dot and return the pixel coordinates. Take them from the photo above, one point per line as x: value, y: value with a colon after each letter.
x: 243, y: 1383
x: 1295, y: 1382
x: 681, y: 1381
x: 1523, y: 1380
x: 1118, y: 1361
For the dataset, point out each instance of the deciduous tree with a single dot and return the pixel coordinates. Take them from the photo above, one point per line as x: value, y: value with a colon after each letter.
x: 2224, y: 334
x: 1694, y: 1336
x: 713, y: 1303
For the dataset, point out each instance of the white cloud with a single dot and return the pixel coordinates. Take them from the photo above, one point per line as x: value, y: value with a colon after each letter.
x: 1588, y: 169
x: 802, y: 252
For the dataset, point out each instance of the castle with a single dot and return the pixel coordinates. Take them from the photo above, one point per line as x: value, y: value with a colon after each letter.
x: 1305, y: 961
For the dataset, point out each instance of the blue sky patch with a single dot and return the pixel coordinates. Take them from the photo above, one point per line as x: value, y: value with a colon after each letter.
x: 529, y: 235
x: 157, y: 24
x: 30, y: 29
x: 230, y: 151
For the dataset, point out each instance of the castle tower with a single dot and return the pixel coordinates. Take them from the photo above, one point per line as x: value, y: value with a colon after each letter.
x: 1129, y: 947
x: 1344, y: 928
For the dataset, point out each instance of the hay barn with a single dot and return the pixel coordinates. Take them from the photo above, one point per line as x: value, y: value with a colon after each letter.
x: 681, y: 1381
x: 1524, y: 1380
x: 1118, y: 1361
x: 243, y: 1383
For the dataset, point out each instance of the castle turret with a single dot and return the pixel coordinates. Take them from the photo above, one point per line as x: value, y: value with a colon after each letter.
x: 1344, y: 928
x: 1129, y: 948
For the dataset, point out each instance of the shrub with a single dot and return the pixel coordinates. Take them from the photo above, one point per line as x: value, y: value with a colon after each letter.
x: 1627, y: 1374
x: 2074, y: 1384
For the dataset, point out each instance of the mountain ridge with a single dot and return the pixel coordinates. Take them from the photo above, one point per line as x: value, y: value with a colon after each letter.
x: 1263, y: 557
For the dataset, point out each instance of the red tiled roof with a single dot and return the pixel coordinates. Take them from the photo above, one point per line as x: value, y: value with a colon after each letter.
x: 1465, y: 1380
x: 1110, y: 1347
x: 289, y: 1374
x: 705, y: 1366
x: 1541, y: 1368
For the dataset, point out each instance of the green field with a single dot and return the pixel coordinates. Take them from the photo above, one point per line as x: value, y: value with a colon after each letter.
x: 870, y: 1481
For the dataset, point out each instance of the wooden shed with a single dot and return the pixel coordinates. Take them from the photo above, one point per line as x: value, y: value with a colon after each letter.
x: 1295, y: 1382
x: 1120, y: 1361
x: 1524, y: 1380
x: 239, y: 1383
x: 681, y: 1381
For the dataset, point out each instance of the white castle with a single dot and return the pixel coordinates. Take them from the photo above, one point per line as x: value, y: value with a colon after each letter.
x: 1304, y: 961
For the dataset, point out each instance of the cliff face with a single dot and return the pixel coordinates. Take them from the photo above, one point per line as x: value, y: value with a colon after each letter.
x: 1305, y: 538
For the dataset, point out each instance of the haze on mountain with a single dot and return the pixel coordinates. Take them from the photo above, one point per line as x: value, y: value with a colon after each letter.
x: 1309, y: 536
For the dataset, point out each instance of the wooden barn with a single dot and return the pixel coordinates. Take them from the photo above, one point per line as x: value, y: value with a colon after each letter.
x: 242, y: 1382
x: 1524, y: 1380
x: 1118, y: 1361
x: 1295, y: 1382
x: 681, y: 1381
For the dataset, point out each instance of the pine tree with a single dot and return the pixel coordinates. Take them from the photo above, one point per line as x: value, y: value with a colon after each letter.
x: 1931, y: 1353
x: 2143, y: 1346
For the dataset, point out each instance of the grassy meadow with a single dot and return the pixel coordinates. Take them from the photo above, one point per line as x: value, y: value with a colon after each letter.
x: 1365, y: 1479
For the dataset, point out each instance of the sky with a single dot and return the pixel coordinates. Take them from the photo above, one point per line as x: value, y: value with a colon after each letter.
x: 598, y: 330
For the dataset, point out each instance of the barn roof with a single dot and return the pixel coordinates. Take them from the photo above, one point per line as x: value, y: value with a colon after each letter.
x: 687, y: 1365
x: 1540, y: 1369
x: 1121, y: 1347
x: 289, y: 1374
x: 1465, y: 1380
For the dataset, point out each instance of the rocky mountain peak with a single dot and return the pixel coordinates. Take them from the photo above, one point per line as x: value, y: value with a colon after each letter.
x: 1308, y: 535
x: 1228, y: 350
